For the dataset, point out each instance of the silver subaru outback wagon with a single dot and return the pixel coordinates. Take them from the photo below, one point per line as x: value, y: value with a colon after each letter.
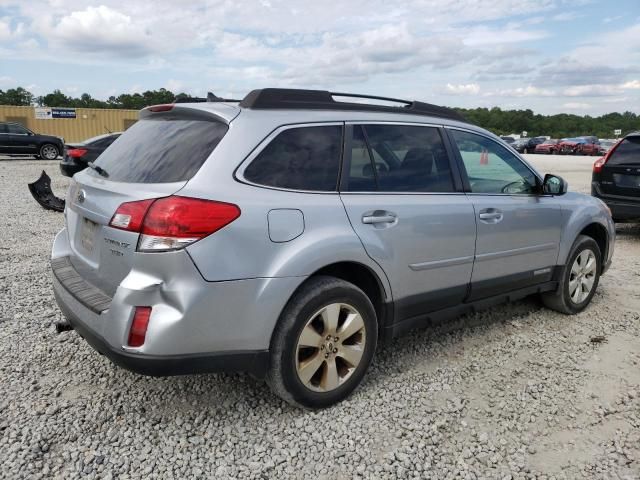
x: 286, y: 234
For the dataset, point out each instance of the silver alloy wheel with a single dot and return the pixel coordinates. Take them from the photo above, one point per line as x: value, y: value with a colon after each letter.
x: 49, y: 152
x: 330, y: 347
x: 582, y: 276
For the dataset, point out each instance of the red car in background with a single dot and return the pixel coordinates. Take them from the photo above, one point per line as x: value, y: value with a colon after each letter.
x: 568, y: 146
x: 589, y: 148
x: 548, y: 147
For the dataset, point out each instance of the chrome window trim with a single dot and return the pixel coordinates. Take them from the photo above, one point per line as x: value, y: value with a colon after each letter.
x: 377, y: 122
x: 238, y: 174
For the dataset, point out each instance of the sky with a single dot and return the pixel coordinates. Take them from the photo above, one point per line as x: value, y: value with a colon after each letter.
x: 552, y: 56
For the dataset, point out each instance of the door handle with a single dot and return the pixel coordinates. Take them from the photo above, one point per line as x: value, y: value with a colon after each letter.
x: 379, y: 217
x: 491, y: 215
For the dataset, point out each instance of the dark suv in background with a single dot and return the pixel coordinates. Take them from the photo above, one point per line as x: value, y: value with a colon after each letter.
x: 17, y: 139
x: 527, y: 145
x: 616, y: 179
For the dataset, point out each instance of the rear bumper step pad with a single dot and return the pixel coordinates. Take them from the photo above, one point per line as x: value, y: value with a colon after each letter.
x: 88, y: 295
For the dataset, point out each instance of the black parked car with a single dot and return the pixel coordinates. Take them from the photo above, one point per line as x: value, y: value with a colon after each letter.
x: 616, y: 179
x: 78, y: 155
x: 17, y: 139
x: 527, y: 145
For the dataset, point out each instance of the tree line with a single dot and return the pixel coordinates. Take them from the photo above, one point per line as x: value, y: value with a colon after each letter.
x: 500, y: 122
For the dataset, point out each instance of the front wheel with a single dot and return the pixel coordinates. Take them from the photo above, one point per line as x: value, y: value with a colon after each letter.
x: 323, y: 343
x: 49, y: 151
x: 579, y: 279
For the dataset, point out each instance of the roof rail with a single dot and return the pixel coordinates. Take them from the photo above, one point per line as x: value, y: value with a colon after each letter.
x: 294, y: 99
x: 211, y: 97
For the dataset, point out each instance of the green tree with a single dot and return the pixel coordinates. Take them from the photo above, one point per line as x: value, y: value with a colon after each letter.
x: 55, y: 99
x: 16, y: 96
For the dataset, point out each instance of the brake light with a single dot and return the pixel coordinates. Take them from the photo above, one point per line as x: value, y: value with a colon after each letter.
x: 139, y: 325
x: 130, y: 215
x: 174, y: 222
x: 161, y: 108
x: 76, y: 152
x: 600, y: 163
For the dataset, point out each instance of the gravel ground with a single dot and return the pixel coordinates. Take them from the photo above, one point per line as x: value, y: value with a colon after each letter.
x: 515, y: 392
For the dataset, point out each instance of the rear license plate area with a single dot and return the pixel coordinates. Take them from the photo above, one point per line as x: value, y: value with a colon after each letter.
x: 87, y: 234
x: 624, y: 180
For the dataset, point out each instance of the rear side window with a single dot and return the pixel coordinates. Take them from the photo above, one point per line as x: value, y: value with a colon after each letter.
x: 305, y: 158
x: 627, y: 153
x: 17, y: 129
x: 399, y: 158
x: 161, y: 151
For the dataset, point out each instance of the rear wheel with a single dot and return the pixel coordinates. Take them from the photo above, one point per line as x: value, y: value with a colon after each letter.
x: 323, y: 343
x: 49, y: 151
x: 579, y: 279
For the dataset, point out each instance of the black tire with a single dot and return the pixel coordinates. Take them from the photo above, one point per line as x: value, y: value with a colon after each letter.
x: 47, y: 151
x: 560, y: 300
x: 311, y: 297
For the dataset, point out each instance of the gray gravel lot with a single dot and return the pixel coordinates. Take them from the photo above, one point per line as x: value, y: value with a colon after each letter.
x: 514, y: 392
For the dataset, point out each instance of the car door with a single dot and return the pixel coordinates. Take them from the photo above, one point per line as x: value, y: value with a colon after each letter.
x: 21, y: 139
x: 404, y: 200
x: 5, y: 139
x: 518, y: 229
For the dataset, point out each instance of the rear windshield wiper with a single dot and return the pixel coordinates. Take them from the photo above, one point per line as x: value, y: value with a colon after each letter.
x: 100, y: 170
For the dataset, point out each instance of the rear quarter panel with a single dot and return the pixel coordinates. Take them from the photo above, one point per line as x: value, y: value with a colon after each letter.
x: 244, y: 248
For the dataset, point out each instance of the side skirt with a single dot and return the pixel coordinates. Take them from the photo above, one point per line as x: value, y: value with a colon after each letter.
x: 421, y: 321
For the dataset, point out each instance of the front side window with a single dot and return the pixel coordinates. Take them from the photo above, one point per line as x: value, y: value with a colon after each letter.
x: 406, y: 158
x: 304, y: 158
x: 491, y: 168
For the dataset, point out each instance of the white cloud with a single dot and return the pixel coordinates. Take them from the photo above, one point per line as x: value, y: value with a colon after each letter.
x: 102, y: 29
x: 528, y: 91
x: 576, y: 105
x: 5, y: 28
x: 631, y: 85
x: 468, y: 89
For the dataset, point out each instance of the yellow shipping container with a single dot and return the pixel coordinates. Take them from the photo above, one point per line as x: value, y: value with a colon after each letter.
x: 88, y: 122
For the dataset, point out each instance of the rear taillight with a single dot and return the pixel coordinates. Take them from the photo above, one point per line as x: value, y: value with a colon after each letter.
x: 138, y: 330
x: 130, y: 215
x: 172, y: 223
x: 600, y: 163
x: 76, y: 152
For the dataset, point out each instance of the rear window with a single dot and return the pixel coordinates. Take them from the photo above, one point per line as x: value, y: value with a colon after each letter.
x: 627, y: 153
x: 306, y: 158
x: 161, y: 151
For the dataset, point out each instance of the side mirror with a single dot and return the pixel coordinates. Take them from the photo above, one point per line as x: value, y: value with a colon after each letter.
x: 554, y: 185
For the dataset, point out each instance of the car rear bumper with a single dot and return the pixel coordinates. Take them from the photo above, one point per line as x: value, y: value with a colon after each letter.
x: 195, y: 326
x: 622, y: 208
x: 254, y: 362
